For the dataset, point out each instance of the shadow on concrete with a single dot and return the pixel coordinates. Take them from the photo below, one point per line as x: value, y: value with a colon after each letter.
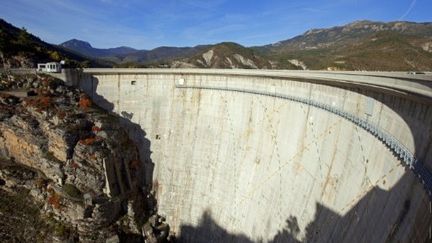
x: 135, y: 132
x: 144, y: 175
x: 416, y: 112
x: 369, y: 220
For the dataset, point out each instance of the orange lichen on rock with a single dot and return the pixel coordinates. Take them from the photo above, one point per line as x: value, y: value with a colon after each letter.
x: 61, y: 114
x: 45, y: 101
x: 134, y: 164
x: 84, y: 102
x: 54, y: 200
x: 92, y: 156
x: 41, y: 183
x: 96, y: 129
x: 45, y: 82
x: 74, y: 165
x: 40, y: 103
x: 88, y: 141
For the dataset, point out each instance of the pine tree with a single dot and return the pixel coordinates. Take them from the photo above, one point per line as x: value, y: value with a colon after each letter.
x: 24, y: 37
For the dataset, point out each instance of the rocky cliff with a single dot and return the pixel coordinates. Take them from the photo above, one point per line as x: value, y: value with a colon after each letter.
x: 70, y: 164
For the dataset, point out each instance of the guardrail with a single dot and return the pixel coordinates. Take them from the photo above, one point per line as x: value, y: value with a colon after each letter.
x: 18, y: 70
x: 398, y: 149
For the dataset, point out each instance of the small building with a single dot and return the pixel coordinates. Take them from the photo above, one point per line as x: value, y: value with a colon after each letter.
x: 49, y: 67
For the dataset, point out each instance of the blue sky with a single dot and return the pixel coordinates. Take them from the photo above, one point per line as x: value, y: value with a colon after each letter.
x: 145, y: 24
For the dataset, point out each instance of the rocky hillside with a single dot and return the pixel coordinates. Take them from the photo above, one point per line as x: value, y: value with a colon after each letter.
x: 361, y: 45
x: 161, y: 54
x: 126, y: 56
x: 70, y: 168
x: 18, y: 48
x: 225, y: 55
x: 222, y: 55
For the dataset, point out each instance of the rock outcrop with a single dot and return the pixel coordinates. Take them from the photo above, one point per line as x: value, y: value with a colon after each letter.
x: 85, y: 171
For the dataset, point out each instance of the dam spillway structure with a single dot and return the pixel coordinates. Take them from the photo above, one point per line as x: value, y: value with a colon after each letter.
x: 280, y: 156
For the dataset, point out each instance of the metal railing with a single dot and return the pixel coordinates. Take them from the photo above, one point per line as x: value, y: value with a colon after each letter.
x: 19, y: 71
x: 399, y: 150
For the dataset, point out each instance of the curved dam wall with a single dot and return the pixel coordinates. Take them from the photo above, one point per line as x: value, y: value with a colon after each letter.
x: 239, y: 156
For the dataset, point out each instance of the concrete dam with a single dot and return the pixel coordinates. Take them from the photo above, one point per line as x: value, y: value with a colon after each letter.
x: 279, y: 156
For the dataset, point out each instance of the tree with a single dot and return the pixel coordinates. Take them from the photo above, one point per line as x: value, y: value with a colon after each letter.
x: 4, y: 41
x: 85, y: 64
x: 24, y: 37
x: 55, y: 56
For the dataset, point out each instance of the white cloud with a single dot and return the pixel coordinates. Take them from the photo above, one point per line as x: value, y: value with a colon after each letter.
x: 408, y: 10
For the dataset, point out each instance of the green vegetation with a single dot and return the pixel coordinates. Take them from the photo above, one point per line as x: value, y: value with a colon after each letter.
x: 50, y: 156
x: 72, y: 191
x: 22, y: 221
x: 16, y: 42
x: 225, y: 56
x: 358, y: 46
x: 58, y: 228
x: 361, y: 45
x: 24, y: 38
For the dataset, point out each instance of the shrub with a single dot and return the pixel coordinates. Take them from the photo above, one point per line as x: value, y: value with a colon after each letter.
x: 41, y: 183
x: 134, y: 164
x: 74, y: 165
x: 96, y: 129
x: 84, y: 102
x: 54, y: 200
x: 61, y: 114
x: 72, y: 191
x: 92, y: 156
x: 45, y: 101
x: 55, y: 55
x: 45, y: 82
x: 88, y: 141
x: 40, y: 103
x: 24, y: 38
x: 61, y: 230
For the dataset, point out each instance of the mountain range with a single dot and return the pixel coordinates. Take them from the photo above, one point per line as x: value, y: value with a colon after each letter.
x: 361, y: 45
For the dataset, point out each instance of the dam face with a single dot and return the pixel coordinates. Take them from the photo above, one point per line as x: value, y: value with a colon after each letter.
x: 272, y: 156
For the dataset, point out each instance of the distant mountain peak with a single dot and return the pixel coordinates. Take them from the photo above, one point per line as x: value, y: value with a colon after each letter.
x: 76, y: 44
x: 125, y: 47
x: 87, y: 49
x: 353, y: 25
x: 362, y: 22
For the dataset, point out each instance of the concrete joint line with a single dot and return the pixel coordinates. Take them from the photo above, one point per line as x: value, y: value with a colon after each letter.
x: 398, y: 149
